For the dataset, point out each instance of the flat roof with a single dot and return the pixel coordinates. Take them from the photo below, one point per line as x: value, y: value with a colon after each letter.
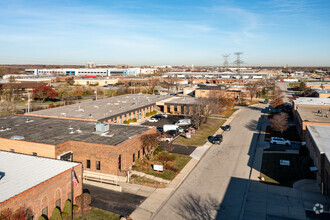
x: 312, y: 101
x: 210, y: 73
x: 102, y: 108
x: 55, y: 131
x: 19, y: 172
x: 310, y: 114
x: 318, y: 83
x: 321, y: 137
x: 180, y: 100
x: 211, y: 88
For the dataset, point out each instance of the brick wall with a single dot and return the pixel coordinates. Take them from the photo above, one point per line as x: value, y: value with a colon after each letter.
x: 46, y: 194
x: 25, y: 147
x: 108, y: 155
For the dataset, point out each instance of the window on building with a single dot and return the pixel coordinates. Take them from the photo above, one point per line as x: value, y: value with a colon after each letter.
x: 88, y: 164
x: 133, y: 158
x: 139, y: 154
x: 45, y: 211
x: 168, y: 108
x: 125, y: 119
x: 98, y: 165
x: 182, y: 110
x: 175, y: 108
x: 119, y: 162
x: 58, y: 203
x: 12, y: 150
x: 34, y: 154
x: 143, y: 151
x: 120, y: 120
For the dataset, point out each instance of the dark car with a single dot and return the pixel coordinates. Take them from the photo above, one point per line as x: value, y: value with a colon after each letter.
x: 217, y: 139
x: 226, y: 128
x: 266, y: 101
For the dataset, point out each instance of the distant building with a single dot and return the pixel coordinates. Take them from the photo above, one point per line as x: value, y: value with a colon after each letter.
x: 318, y: 85
x: 90, y: 65
x: 93, y: 82
x: 116, y: 109
x: 177, y: 105
x: 39, y: 184
x: 323, y: 93
x: 311, y: 101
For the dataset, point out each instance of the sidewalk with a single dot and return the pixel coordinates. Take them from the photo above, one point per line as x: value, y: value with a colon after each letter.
x: 160, y: 195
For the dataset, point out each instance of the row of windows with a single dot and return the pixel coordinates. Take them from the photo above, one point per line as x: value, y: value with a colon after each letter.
x: 97, y: 165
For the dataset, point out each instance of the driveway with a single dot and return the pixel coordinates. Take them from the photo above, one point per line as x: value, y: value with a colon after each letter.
x: 118, y: 202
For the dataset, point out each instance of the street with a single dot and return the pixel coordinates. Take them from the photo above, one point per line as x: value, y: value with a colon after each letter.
x: 223, y: 171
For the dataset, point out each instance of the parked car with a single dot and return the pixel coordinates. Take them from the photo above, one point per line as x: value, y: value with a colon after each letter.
x: 183, y: 122
x: 278, y: 140
x: 266, y: 101
x: 152, y: 120
x: 166, y: 137
x: 162, y: 115
x: 217, y: 139
x: 226, y: 128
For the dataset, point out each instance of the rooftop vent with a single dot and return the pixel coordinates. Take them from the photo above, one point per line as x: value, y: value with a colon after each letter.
x: 5, y: 129
x: 79, y: 131
x: 71, y: 132
x: 63, y: 114
x: 102, y: 128
x: 16, y: 137
x: 95, y: 106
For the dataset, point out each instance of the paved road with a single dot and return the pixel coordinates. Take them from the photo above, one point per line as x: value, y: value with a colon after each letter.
x: 215, y: 188
x: 287, y: 94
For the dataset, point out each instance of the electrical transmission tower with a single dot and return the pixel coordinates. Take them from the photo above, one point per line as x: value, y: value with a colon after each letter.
x: 238, y: 61
x: 225, y: 62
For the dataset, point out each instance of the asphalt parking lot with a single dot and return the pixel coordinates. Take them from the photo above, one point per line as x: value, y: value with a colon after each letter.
x: 118, y: 202
x: 171, y: 119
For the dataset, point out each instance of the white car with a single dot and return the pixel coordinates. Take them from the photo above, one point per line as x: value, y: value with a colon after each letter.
x: 278, y: 140
x: 162, y: 115
x: 152, y: 120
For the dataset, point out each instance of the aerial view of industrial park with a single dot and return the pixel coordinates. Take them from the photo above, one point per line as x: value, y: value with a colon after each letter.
x: 165, y: 110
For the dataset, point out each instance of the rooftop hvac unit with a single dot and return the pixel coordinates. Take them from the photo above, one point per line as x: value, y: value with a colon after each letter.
x: 102, y: 128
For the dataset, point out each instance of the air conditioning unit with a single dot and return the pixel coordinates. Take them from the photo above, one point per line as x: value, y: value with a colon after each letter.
x: 102, y: 128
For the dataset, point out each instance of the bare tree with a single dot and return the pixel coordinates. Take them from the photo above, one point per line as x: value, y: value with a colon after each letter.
x: 277, y: 97
x: 150, y: 142
x: 252, y: 87
x: 152, y: 83
x: 279, y: 122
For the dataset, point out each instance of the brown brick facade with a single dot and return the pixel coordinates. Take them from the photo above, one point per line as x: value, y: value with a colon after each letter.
x: 46, y: 194
x: 107, y: 155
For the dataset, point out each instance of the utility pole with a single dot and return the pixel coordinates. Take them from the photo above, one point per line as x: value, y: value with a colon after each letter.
x: 29, y: 94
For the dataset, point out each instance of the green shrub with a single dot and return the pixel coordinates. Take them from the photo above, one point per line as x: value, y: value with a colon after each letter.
x: 148, y: 114
x: 42, y: 217
x: 67, y: 207
x: 134, y: 120
x: 56, y: 214
x: 65, y: 216
x: 75, y: 208
x: 158, y: 150
x: 126, y: 122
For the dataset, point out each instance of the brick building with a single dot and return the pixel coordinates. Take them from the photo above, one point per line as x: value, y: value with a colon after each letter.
x: 310, y: 115
x: 177, y: 105
x: 317, y: 142
x: 40, y: 184
x: 102, y: 148
x: 116, y: 109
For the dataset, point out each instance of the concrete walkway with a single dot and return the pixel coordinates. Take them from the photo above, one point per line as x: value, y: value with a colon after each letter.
x: 160, y: 195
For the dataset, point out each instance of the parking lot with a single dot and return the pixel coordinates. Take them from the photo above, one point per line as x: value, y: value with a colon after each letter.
x: 171, y: 119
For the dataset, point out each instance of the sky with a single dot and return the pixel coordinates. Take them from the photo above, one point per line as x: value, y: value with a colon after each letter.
x: 165, y: 32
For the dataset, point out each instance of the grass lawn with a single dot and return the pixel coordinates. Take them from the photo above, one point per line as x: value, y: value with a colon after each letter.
x: 171, y: 168
x: 98, y: 214
x: 274, y: 173
x: 202, y: 134
x: 290, y: 134
x: 227, y: 114
x: 146, y: 181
